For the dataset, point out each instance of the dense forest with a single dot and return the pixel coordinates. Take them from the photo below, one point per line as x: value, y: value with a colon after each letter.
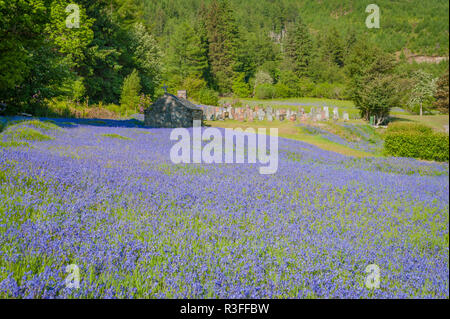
x: 123, y: 51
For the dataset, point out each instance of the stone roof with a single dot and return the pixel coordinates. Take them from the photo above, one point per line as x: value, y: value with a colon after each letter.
x: 182, y: 101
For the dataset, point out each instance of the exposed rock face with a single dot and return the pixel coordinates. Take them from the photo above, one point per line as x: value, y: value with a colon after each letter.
x: 171, y: 111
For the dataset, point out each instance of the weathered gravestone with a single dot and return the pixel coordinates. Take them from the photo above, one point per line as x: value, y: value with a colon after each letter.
x: 282, y: 114
x: 327, y: 113
x: 261, y: 114
x: 277, y: 114
x: 335, y: 113
x: 269, y: 114
x: 345, y: 116
x: 312, y: 114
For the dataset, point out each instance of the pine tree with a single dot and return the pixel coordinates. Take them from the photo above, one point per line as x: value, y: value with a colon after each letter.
x: 298, y: 48
x: 187, y: 55
x: 223, y: 37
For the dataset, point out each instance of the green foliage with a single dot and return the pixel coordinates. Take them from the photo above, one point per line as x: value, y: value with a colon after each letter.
x: 71, y: 42
x: 25, y: 133
x: 240, y: 87
x: 402, y: 127
x: 416, y: 141
x: 441, y: 94
x: 187, y: 55
x: 146, y: 57
x: 208, y: 97
x: 422, y: 94
x: 78, y: 90
x: 372, y: 83
x: 265, y: 91
x: 223, y: 37
x: 298, y: 48
x: 194, y: 85
x: 131, y: 89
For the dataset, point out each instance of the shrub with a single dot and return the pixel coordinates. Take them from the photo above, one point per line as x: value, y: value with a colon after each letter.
x: 240, y: 87
x: 193, y: 86
x: 417, y: 141
x: 282, y: 91
x: 409, y: 127
x: 265, y: 91
x: 208, y: 97
x: 131, y: 88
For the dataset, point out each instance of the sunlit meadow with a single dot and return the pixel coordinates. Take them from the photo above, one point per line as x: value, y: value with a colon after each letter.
x: 104, y: 196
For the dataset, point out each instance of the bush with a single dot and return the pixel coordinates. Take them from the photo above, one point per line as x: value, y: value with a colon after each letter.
x: 417, y: 141
x: 240, y: 87
x: 409, y: 127
x: 282, y: 91
x: 193, y: 86
x: 208, y: 97
x: 265, y: 91
x: 131, y: 89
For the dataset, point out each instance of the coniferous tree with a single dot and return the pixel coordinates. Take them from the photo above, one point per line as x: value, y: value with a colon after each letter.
x: 298, y: 48
x: 187, y: 55
x: 223, y: 39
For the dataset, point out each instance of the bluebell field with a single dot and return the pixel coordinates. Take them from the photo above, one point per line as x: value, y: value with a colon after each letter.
x: 105, y: 196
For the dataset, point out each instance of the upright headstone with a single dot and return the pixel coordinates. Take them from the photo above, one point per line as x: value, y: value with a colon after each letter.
x: 277, y: 114
x: 312, y: 114
x: 249, y: 115
x: 335, y: 113
x: 282, y: 114
x: 241, y: 114
x: 261, y: 114
x: 345, y: 116
x: 230, y: 112
x: 293, y: 117
x: 269, y: 114
x: 327, y: 113
x: 322, y: 115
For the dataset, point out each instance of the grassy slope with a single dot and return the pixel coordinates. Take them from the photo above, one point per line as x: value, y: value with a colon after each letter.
x: 289, y: 130
x: 437, y: 122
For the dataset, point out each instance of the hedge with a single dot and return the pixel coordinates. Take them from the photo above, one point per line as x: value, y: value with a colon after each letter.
x: 417, y: 141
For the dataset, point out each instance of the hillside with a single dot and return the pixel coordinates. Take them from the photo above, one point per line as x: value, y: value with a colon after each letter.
x: 420, y: 26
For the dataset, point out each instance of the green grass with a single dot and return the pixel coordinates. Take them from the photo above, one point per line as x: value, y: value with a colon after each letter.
x: 26, y: 133
x: 117, y: 136
x: 290, y: 130
x: 436, y: 122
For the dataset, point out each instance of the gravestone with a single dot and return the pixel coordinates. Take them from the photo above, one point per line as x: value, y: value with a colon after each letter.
x: 269, y: 114
x: 345, y: 116
x: 241, y: 114
x: 249, y: 115
x: 293, y: 117
x: 277, y: 114
x: 327, y: 113
x: 335, y: 114
x: 261, y: 115
x: 230, y: 112
x: 282, y: 114
x: 312, y: 114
